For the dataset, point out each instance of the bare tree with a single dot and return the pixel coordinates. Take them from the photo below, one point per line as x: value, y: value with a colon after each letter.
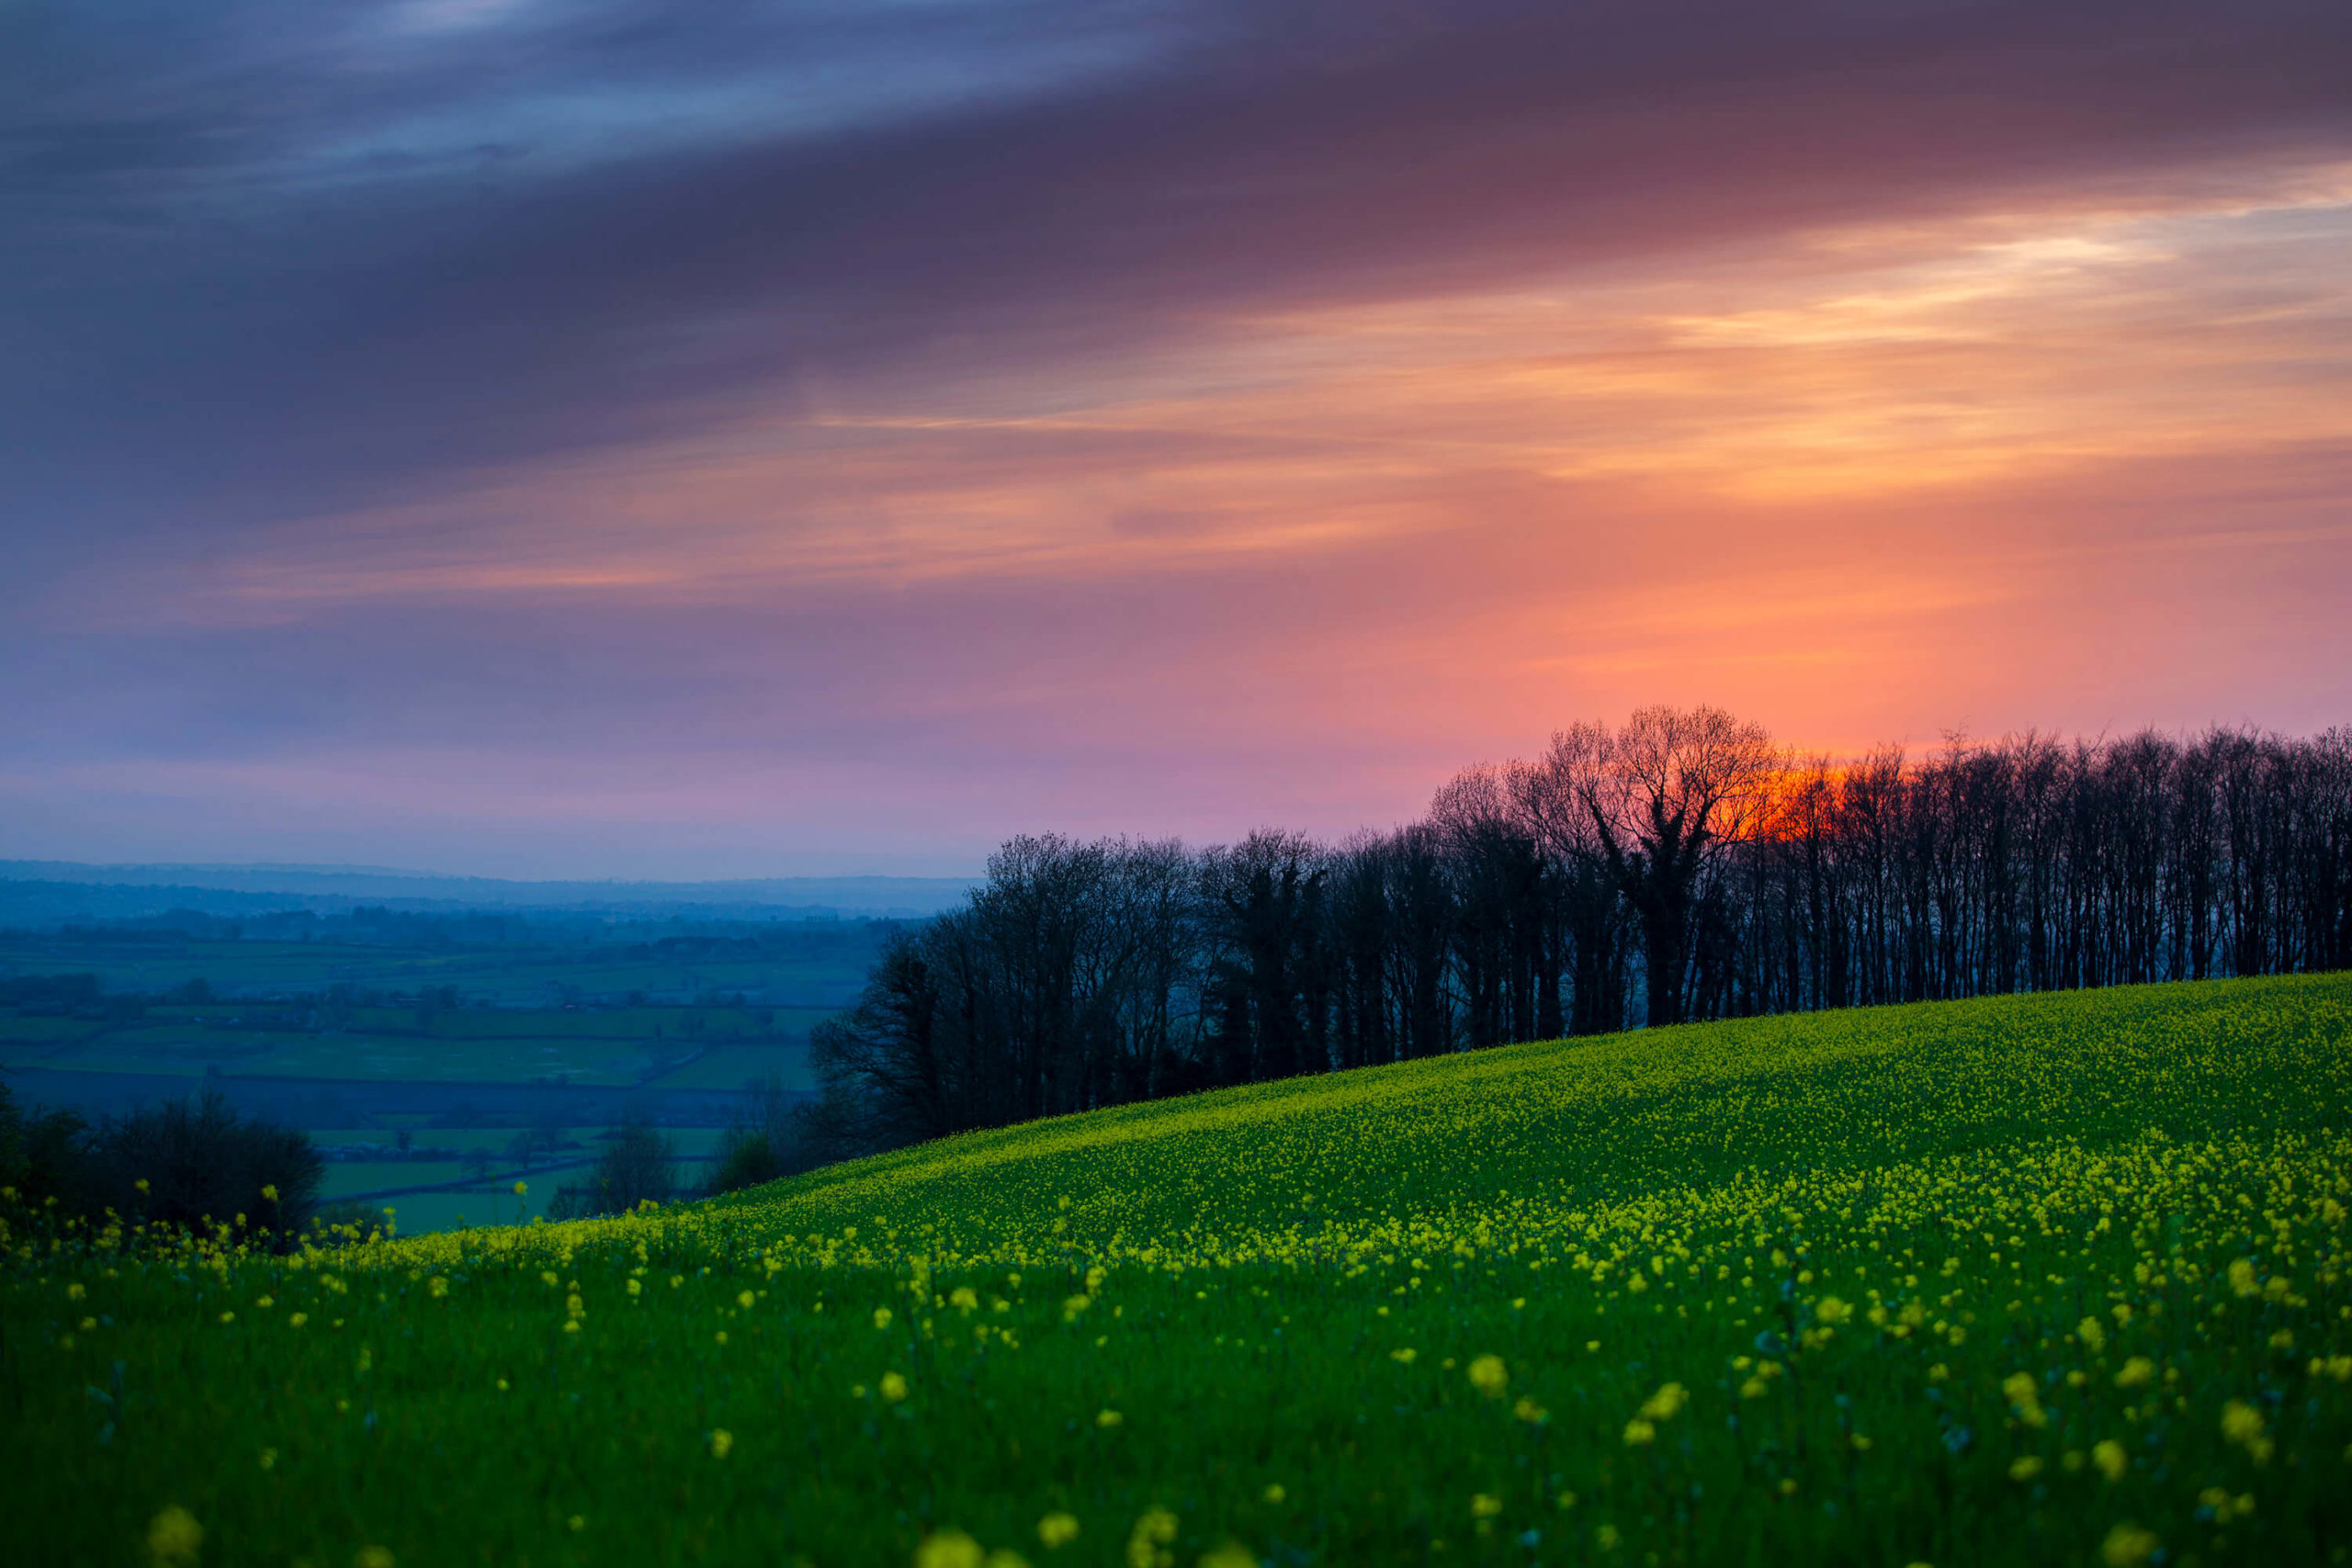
x: 1672, y: 789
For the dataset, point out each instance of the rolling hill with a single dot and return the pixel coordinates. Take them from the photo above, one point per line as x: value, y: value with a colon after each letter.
x: 2026, y: 1279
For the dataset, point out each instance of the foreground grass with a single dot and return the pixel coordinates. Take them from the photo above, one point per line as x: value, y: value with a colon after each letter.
x: 2057, y: 1278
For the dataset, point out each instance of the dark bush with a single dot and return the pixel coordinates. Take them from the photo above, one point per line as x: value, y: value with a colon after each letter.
x: 42, y: 1155
x: 746, y: 1159
x: 771, y: 1135
x: 202, y: 1165
x: 640, y: 1166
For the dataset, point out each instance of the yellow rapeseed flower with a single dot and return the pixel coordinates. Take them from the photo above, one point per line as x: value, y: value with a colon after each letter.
x: 173, y: 1536
x: 948, y: 1549
x: 893, y: 1387
x: 2242, y: 1423
x: 721, y: 1440
x: 1489, y: 1376
x: 1057, y: 1529
x: 1153, y: 1530
x: 1666, y: 1403
x: 2110, y: 1459
x: 2128, y: 1546
x: 2025, y: 1398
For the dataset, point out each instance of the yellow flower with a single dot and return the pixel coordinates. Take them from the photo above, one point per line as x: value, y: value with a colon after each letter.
x: 270, y: 1459
x: 1405, y: 1355
x: 2242, y: 1423
x: 1829, y: 1309
x: 1108, y: 1419
x: 1153, y: 1530
x: 2110, y: 1459
x: 1606, y: 1537
x: 173, y: 1536
x: 2128, y: 1546
x: 893, y: 1387
x: 1057, y: 1529
x: 1638, y: 1432
x: 948, y: 1549
x: 270, y: 1191
x: 373, y: 1557
x: 721, y: 1440
x: 882, y: 1318
x: 2025, y: 1469
x: 2137, y: 1372
x: 520, y: 1187
x: 2025, y: 1398
x: 1530, y: 1411
x: 299, y: 1319
x: 744, y: 1300
x: 1232, y: 1554
x: 1487, y: 1375
x: 1484, y: 1506
x: 1666, y: 1403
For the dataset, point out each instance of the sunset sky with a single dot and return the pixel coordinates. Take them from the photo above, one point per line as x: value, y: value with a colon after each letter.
x: 542, y: 439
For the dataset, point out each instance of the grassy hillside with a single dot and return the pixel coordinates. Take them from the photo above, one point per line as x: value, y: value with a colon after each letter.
x: 2058, y: 1278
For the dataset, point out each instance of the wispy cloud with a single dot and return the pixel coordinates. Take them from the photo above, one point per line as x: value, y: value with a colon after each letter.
x: 1167, y: 415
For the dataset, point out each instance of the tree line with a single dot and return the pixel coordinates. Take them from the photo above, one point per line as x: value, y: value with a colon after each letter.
x: 1680, y: 867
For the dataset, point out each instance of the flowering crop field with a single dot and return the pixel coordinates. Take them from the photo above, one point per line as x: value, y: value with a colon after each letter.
x: 2059, y: 1279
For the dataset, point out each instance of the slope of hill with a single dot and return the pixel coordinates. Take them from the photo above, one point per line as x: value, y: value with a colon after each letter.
x: 2051, y: 1279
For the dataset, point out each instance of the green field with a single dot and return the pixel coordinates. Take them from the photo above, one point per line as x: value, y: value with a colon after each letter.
x: 2046, y: 1279
x: 518, y: 975
x: 589, y: 1045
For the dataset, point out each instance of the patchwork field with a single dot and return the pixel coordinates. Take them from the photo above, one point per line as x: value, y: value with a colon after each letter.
x: 2057, y: 1278
x: 515, y: 974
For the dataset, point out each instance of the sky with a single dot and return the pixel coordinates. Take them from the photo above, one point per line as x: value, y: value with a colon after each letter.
x: 537, y: 439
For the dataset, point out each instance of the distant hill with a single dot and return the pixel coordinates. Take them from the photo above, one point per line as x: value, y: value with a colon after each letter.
x: 37, y: 893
